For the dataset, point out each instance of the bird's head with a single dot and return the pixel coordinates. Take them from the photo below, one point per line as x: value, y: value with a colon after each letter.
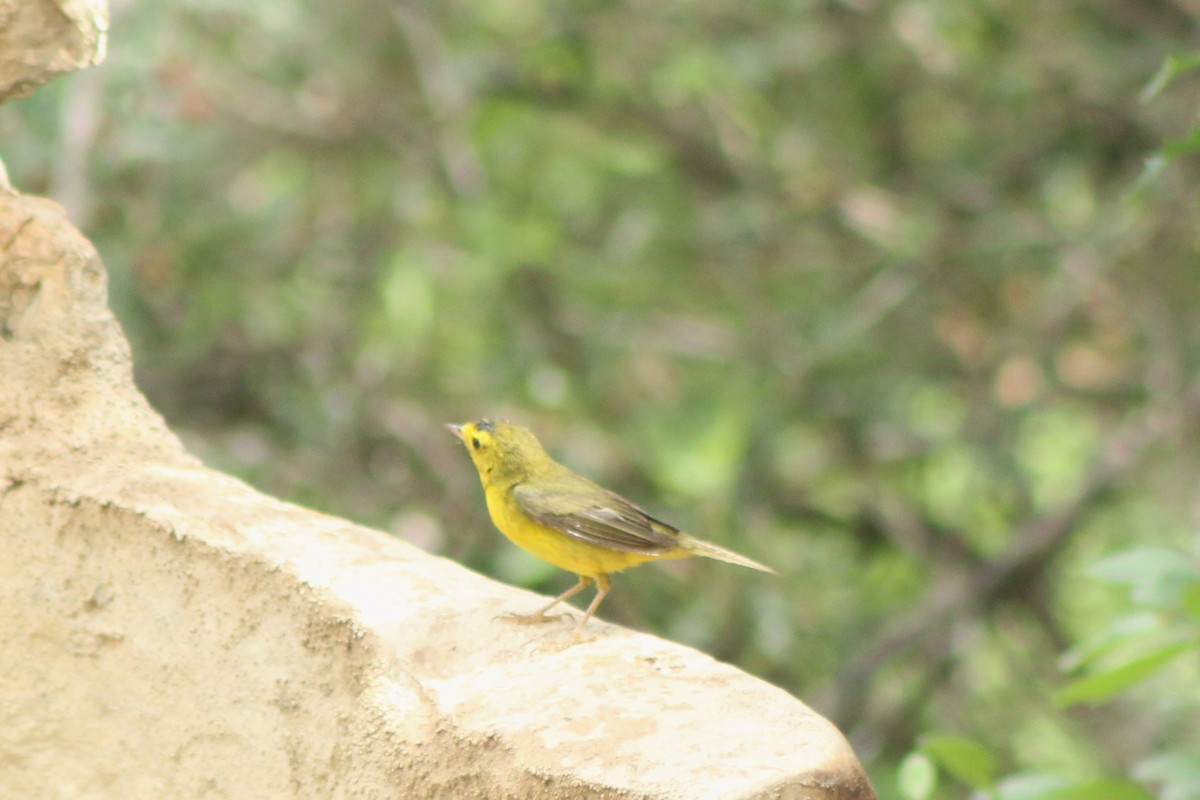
x: 500, y: 449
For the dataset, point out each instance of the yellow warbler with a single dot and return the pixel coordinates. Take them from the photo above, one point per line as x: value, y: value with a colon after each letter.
x: 565, y: 519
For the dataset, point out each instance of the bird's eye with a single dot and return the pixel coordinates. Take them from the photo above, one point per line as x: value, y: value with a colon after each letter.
x: 475, y: 443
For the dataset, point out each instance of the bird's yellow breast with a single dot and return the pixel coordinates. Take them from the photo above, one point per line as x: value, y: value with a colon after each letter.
x: 560, y: 549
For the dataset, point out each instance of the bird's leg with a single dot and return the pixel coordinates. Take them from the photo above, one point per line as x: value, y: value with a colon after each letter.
x: 603, y: 584
x: 541, y: 616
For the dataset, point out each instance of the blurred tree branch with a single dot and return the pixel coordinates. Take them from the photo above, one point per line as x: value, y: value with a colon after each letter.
x: 962, y: 598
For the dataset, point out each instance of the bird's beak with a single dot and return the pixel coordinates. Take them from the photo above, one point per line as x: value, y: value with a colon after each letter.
x: 455, y: 429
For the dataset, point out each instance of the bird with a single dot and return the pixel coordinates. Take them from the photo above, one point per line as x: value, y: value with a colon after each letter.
x: 567, y: 520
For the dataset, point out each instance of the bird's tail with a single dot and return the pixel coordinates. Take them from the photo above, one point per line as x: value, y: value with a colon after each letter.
x: 699, y: 547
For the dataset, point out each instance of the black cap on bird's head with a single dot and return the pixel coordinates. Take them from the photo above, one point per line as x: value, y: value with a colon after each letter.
x: 498, y: 446
x: 465, y: 430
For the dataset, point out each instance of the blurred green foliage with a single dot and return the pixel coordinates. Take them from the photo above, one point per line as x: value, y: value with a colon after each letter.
x: 868, y: 290
x: 1160, y: 627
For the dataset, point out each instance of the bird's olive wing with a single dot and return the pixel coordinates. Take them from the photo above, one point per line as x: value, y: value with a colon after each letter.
x: 599, y: 517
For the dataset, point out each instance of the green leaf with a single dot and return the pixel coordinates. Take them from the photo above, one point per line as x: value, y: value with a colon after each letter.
x: 1172, y: 67
x: 1042, y: 786
x: 1191, y: 601
x: 1055, y: 447
x: 1118, y: 632
x: 1156, y: 576
x: 1101, y: 686
x: 698, y: 451
x: 1171, y: 150
x: 917, y: 777
x: 966, y: 760
x: 1178, y: 772
x: 1030, y: 786
x: 1182, y: 147
x: 1101, y: 788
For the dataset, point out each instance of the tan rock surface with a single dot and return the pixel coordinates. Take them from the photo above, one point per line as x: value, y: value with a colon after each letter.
x: 168, y: 632
x: 42, y: 39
